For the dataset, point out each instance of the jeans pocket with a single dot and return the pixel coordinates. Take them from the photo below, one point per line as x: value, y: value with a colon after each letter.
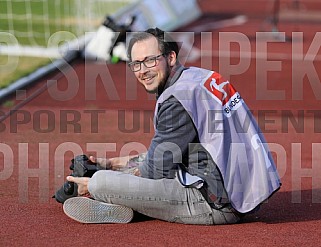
x: 201, y: 219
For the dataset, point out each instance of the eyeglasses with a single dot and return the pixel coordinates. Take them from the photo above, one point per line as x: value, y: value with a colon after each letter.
x: 148, y: 62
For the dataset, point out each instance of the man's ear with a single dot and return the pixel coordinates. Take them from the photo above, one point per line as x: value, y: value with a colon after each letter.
x: 172, y: 58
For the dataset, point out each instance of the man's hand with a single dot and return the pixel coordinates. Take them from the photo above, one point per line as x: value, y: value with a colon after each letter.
x: 103, y: 163
x: 82, y: 183
x: 115, y: 164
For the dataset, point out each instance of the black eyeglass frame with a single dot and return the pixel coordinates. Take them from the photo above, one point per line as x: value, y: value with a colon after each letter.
x: 153, y: 58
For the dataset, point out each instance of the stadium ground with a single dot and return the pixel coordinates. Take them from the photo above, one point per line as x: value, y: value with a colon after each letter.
x: 90, y: 119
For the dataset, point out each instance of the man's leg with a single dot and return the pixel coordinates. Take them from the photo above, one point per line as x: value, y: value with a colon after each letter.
x: 164, y: 199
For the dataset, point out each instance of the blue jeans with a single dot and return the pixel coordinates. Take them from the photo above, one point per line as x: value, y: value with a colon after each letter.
x: 164, y: 199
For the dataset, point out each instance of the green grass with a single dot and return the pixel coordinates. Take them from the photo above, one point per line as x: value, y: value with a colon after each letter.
x: 47, y: 17
x: 16, y: 67
x: 35, y: 27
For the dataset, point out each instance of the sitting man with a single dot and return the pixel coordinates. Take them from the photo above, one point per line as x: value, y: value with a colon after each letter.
x: 207, y: 163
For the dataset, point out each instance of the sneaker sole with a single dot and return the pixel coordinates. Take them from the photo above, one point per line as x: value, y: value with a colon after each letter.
x: 85, y: 210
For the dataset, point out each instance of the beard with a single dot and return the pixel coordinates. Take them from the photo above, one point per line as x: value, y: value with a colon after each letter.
x: 161, y: 85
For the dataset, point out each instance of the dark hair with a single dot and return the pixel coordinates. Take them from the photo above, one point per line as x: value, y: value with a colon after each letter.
x: 165, y: 42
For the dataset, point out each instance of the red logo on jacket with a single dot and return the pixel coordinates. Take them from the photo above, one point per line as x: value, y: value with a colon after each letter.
x: 220, y: 88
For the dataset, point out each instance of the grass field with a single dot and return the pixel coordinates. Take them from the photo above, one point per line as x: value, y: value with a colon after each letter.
x: 33, y: 22
x: 22, y: 67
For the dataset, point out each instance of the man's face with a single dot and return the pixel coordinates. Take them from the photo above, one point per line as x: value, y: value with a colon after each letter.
x: 154, y: 77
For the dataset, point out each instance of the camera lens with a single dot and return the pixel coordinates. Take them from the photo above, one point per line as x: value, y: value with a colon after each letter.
x: 69, y: 188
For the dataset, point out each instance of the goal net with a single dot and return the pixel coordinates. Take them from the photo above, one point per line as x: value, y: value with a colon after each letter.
x: 38, y: 27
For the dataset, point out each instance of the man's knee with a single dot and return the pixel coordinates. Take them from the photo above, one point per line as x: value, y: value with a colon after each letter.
x: 100, y: 181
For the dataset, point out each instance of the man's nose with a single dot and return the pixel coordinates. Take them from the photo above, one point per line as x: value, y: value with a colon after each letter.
x: 143, y: 68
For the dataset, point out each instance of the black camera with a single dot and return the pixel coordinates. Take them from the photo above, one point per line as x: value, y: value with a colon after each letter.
x: 80, y: 166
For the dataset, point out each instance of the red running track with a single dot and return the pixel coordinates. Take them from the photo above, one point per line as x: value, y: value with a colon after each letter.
x: 34, y: 161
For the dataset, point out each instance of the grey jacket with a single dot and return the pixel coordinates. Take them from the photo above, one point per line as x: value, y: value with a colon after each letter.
x: 176, y: 144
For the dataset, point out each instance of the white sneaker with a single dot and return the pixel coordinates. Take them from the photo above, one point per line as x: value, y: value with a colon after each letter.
x: 86, y: 210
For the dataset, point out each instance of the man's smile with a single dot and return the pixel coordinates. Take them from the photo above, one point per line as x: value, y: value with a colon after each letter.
x: 148, y: 79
